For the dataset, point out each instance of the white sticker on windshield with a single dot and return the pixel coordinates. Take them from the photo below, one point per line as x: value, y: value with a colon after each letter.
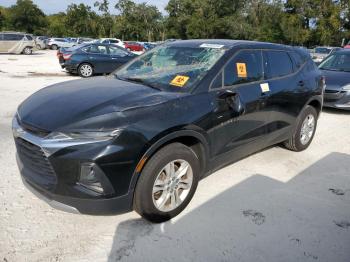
x: 211, y: 46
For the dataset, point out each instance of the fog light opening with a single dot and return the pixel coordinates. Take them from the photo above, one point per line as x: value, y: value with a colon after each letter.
x: 89, y: 178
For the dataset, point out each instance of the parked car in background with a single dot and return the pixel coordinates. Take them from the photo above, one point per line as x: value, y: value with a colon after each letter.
x: 336, y: 69
x: 40, y: 42
x: 90, y: 59
x: 321, y: 52
x: 113, y: 41
x: 56, y: 43
x: 133, y: 46
x: 142, y: 138
x: 16, y: 43
x: 148, y: 45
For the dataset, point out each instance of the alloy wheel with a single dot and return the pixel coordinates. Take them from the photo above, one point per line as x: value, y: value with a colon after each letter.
x: 172, y: 185
x: 307, y: 129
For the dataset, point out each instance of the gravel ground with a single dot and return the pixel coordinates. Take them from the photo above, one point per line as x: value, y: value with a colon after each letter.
x: 276, y: 205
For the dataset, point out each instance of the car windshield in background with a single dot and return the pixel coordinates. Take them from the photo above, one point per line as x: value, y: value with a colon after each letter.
x: 337, y: 62
x: 172, y: 66
x: 322, y: 50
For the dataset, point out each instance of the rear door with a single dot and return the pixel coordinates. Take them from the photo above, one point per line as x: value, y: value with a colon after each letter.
x: 239, y: 113
x: 99, y: 57
x: 118, y: 57
x: 286, y: 93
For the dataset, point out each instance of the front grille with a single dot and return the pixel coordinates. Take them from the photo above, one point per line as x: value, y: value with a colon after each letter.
x: 34, y: 159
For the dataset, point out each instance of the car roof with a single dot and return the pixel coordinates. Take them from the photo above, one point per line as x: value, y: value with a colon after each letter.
x: 229, y: 44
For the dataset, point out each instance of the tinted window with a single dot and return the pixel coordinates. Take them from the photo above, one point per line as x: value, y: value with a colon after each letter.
x: 245, y: 67
x: 278, y: 64
x: 30, y: 38
x: 1, y: 36
x: 12, y: 37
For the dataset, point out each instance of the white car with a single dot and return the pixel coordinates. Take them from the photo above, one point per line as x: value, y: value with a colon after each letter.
x: 56, y: 43
x: 114, y: 41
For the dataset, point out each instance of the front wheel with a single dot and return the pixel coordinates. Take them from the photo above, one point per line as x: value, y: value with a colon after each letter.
x: 305, y: 130
x: 85, y: 70
x: 27, y: 51
x: 54, y: 47
x: 167, y: 183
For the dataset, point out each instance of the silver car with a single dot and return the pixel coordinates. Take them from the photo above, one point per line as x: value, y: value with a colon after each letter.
x: 16, y: 43
x: 56, y: 43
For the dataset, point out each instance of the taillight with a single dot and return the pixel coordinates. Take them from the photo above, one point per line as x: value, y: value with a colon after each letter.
x: 67, y: 56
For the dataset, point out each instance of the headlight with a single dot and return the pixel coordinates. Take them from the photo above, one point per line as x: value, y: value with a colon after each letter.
x: 346, y: 87
x: 83, y: 136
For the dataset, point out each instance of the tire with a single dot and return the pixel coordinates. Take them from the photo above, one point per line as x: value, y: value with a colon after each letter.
x: 27, y: 51
x: 146, y: 199
x: 38, y: 47
x: 54, y: 47
x: 85, y: 70
x: 296, y: 142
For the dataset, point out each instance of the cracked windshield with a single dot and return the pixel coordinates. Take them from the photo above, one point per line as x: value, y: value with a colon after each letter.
x: 172, y: 66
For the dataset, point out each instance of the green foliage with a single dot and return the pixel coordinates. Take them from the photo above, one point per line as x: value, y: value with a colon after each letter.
x: 26, y: 16
x: 297, y: 22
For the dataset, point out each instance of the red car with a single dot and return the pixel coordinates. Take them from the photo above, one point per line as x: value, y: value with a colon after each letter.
x: 134, y: 47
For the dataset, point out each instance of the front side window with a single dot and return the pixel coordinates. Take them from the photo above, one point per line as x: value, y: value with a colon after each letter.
x: 115, y: 51
x: 245, y: 67
x: 278, y: 64
x: 172, y: 67
x: 29, y: 37
x: 337, y: 62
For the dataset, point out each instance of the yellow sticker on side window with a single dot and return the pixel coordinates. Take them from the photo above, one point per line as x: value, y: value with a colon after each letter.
x: 179, y: 80
x: 241, y: 70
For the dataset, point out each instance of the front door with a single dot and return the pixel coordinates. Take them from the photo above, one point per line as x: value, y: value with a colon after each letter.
x: 238, y: 96
x: 99, y: 58
x: 117, y: 58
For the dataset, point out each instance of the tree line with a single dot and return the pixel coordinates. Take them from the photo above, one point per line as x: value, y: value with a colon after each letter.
x: 296, y: 22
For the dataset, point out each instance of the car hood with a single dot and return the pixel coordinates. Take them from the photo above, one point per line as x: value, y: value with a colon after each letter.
x: 335, y: 79
x: 65, y: 105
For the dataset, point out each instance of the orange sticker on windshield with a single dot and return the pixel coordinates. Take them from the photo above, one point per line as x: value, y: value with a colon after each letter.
x: 241, y: 70
x: 179, y: 81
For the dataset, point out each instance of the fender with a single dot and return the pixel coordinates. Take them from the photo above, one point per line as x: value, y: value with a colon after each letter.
x: 160, y: 143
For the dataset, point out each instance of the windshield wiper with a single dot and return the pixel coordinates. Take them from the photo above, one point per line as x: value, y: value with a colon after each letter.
x: 330, y: 69
x: 137, y: 80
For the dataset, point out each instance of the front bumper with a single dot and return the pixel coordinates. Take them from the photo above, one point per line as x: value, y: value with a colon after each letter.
x: 337, y: 99
x: 53, y: 173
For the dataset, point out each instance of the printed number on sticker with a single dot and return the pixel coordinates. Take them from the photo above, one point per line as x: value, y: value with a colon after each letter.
x: 179, y: 81
x: 241, y: 69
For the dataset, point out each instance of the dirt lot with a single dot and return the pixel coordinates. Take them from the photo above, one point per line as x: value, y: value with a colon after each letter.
x: 273, y: 206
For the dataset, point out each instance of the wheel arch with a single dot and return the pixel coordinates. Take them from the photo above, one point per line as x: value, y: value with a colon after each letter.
x: 193, y: 139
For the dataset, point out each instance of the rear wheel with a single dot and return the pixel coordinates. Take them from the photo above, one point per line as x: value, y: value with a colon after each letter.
x: 54, y: 47
x: 167, y: 183
x: 305, y: 130
x: 85, y: 70
x: 27, y: 51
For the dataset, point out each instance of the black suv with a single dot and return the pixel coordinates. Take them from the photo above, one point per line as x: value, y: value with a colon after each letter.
x: 144, y: 136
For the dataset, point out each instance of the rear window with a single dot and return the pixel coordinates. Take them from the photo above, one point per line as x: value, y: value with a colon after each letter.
x: 13, y: 37
x: 245, y: 67
x: 278, y: 64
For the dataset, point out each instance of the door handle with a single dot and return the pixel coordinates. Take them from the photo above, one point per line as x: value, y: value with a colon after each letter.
x: 301, y: 83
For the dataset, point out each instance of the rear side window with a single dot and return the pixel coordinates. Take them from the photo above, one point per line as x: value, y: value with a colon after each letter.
x: 278, y: 64
x: 13, y: 37
x: 245, y: 67
x: 29, y: 37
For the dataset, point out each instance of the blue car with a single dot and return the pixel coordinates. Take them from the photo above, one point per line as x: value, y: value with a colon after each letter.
x: 336, y: 69
x: 93, y: 58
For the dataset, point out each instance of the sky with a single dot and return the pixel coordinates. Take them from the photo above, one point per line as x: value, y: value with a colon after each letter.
x: 55, y: 6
